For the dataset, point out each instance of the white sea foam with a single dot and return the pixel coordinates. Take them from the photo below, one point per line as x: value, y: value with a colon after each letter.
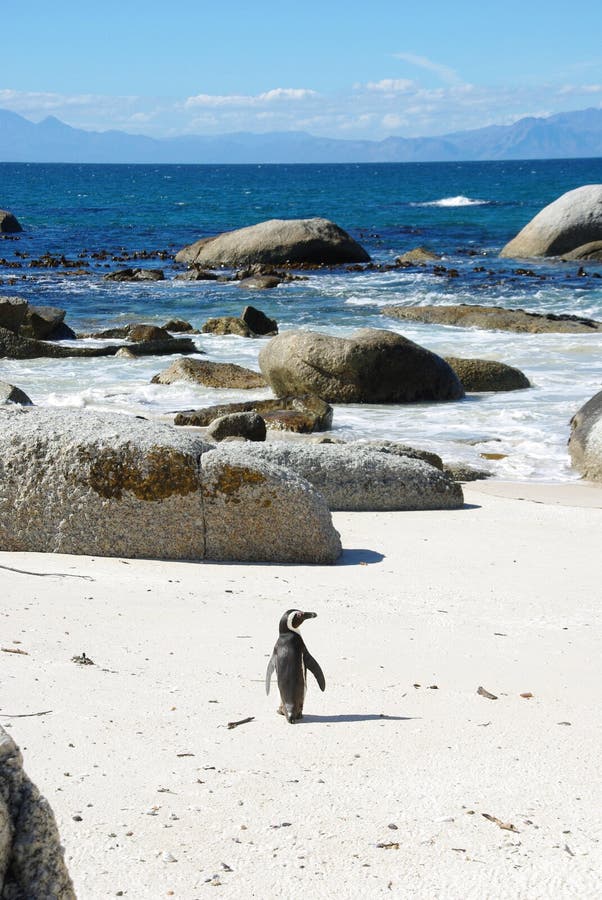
x: 460, y: 200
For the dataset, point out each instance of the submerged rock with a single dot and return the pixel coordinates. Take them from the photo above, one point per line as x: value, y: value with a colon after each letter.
x: 467, y: 315
x: 276, y: 242
x: 372, y: 366
x: 571, y: 221
x: 109, y: 485
x: 585, y: 441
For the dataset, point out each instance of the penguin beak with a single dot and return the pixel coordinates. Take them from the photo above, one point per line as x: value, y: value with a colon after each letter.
x: 309, y: 615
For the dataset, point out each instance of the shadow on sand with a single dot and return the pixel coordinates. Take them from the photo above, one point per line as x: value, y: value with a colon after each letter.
x: 359, y: 557
x: 353, y: 717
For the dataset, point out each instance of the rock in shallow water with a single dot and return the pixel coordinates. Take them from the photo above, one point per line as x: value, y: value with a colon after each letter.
x: 211, y: 374
x: 495, y: 318
x: 277, y: 242
x: 585, y: 442
x: 478, y: 375
x: 571, y: 221
x: 372, y: 366
x: 9, y: 223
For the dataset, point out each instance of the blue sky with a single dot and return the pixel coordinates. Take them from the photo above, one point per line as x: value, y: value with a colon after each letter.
x: 337, y: 69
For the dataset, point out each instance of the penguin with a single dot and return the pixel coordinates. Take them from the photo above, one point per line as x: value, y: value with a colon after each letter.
x: 291, y: 659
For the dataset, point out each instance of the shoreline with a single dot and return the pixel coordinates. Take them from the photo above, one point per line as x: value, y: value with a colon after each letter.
x: 422, y: 609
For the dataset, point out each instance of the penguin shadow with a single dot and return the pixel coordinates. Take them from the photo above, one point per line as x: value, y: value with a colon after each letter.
x: 359, y: 557
x: 311, y: 719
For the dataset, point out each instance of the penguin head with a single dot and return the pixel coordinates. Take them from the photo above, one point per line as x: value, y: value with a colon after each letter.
x: 293, y: 619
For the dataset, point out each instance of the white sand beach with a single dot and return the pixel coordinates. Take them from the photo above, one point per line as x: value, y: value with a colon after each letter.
x: 383, y: 789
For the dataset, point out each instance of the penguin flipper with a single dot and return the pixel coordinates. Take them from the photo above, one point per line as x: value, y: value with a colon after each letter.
x: 314, y: 668
x: 268, y: 674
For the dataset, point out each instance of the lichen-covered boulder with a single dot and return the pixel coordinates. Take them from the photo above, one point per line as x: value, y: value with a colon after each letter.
x: 276, y: 242
x: 571, y: 221
x: 32, y: 864
x: 76, y: 481
x: 210, y: 374
x: 585, y: 442
x: 371, y: 366
x: 257, y: 510
x: 9, y: 224
x: 487, y: 375
x: 357, y: 477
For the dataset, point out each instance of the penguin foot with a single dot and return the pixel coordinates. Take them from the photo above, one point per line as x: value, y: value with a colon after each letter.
x: 280, y: 711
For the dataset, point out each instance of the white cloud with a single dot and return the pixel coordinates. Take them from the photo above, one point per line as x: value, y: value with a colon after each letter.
x: 391, y: 85
x: 249, y: 100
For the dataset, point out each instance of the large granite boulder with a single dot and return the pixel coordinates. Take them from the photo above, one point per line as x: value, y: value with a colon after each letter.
x: 487, y: 375
x: 276, y: 242
x: 572, y: 220
x: 210, y: 374
x: 372, y: 366
x: 75, y: 481
x: 11, y: 394
x: 356, y: 477
x: 12, y: 313
x: 495, y: 318
x: 300, y: 414
x: 585, y: 442
x: 9, y: 223
x: 32, y: 864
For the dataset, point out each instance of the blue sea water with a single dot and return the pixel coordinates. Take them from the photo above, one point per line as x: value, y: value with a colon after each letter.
x: 464, y: 211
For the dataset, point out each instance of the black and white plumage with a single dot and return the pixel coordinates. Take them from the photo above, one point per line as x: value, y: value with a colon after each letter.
x: 291, y: 659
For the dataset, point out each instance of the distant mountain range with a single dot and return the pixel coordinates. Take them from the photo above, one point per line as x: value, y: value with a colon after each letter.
x: 565, y: 135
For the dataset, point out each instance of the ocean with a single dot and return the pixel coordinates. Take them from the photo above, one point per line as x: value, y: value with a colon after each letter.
x: 464, y: 211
